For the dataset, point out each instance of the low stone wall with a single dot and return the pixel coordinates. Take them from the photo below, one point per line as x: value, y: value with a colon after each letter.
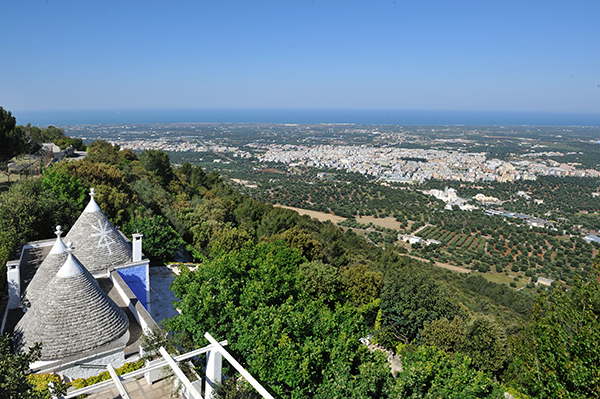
x: 92, y: 366
x: 85, y: 365
x: 133, y: 303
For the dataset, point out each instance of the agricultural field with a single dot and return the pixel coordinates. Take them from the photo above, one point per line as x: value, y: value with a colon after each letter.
x: 378, y: 212
x: 452, y: 239
x: 386, y: 223
x: 510, y: 250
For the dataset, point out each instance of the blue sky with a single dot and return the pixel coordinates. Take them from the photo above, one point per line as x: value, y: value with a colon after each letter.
x: 539, y: 56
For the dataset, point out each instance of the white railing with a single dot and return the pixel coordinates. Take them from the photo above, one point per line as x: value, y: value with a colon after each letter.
x: 138, y: 373
x: 215, y: 353
x: 259, y: 388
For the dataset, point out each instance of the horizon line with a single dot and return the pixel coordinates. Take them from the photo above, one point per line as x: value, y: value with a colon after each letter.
x: 365, y: 116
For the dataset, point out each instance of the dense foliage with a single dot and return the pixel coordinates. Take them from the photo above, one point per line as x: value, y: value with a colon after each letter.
x: 160, y: 240
x: 290, y: 338
x: 558, y: 354
x: 432, y: 373
x: 410, y: 298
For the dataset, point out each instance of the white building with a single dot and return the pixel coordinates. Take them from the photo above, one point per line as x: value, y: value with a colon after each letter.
x: 64, y: 297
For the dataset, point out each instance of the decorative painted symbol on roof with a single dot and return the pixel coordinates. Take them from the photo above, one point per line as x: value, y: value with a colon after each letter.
x: 104, y: 232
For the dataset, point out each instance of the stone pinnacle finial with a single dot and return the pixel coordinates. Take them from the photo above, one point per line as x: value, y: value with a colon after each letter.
x: 71, y: 267
x: 92, y: 206
x: 59, y: 245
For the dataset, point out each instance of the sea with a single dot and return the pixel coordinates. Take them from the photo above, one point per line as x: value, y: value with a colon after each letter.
x: 305, y: 116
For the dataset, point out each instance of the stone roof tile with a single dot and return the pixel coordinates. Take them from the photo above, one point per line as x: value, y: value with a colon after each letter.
x: 47, y: 270
x: 98, y: 244
x: 72, y: 315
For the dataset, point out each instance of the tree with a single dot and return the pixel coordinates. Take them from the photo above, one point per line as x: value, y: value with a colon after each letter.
x: 195, y: 174
x: 320, y: 280
x: 103, y: 152
x: 49, y: 134
x: 14, y: 142
x: 54, y: 135
x: 161, y: 241
x: 31, y: 212
x: 235, y: 388
x: 297, y: 238
x: 410, y: 297
x: 113, y: 193
x: 263, y: 274
x: 155, y: 198
x: 363, y: 285
x: 332, y: 240
x: 114, y: 203
x: 158, y: 163
x: 444, y: 334
x: 484, y: 341
x: 557, y: 354
x: 373, y: 379
x: 276, y: 221
x: 212, y: 180
x: 95, y: 174
x: 249, y: 214
x: 15, y: 369
x: 228, y: 239
x: 66, y: 187
x: 431, y: 373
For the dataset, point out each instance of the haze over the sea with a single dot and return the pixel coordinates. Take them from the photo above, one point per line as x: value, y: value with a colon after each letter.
x: 384, y: 117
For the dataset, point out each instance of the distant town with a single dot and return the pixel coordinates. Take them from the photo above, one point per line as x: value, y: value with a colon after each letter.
x: 383, y: 153
x: 394, y: 164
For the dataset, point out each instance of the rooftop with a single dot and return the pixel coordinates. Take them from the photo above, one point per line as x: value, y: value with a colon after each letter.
x: 98, y: 244
x: 71, y: 316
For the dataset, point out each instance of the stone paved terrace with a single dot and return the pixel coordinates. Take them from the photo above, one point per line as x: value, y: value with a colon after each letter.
x: 139, y: 389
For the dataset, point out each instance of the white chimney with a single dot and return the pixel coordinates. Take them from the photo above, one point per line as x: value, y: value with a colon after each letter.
x: 13, y: 274
x: 137, y: 247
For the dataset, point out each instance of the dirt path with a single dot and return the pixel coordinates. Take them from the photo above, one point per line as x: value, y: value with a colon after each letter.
x: 321, y: 216
x: 394, y: 360
x: 440, y: 264
x: 421, y: 228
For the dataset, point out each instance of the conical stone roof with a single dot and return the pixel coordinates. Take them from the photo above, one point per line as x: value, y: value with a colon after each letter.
x: 71, y: 316
x: 98, y: 244
x: 47, y: 270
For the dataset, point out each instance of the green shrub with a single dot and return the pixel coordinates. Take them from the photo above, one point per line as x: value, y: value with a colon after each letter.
x: 124, y: 369
x: 40, y: 383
